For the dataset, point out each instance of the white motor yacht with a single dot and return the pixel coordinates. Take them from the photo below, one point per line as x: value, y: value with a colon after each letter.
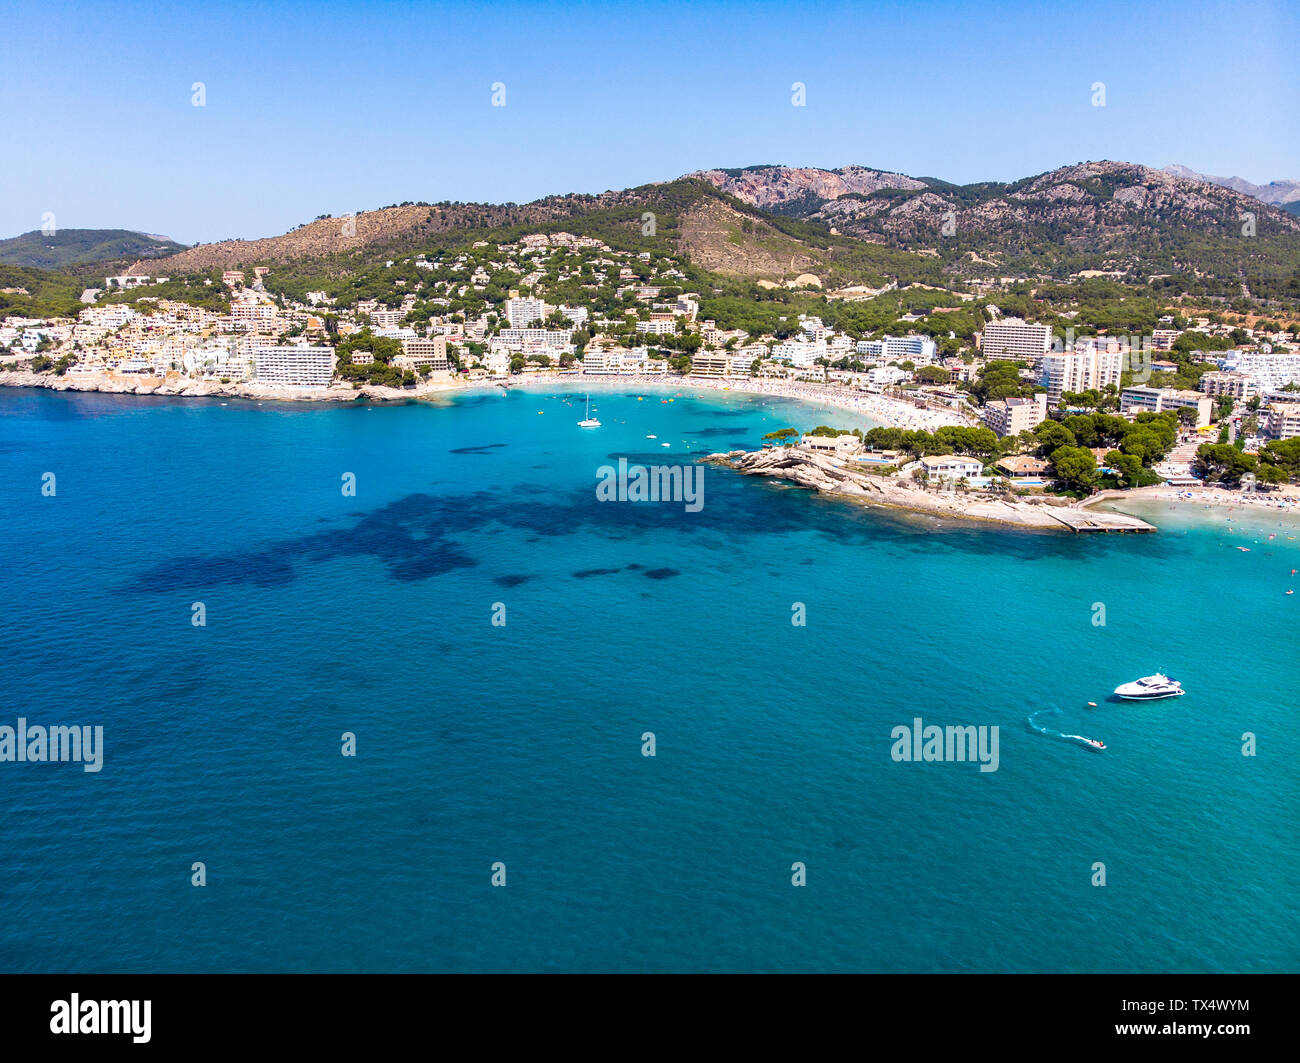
x: 1150, y: 688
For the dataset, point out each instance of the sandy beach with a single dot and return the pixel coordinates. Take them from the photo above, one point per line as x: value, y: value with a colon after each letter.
x: 1284, y: 501
x: 882, y: 409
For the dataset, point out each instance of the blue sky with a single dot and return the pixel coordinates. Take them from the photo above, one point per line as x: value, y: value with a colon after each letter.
x: 331, y: 107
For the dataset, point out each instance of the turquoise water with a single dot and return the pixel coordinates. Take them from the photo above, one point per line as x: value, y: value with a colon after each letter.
x: 522, y: 744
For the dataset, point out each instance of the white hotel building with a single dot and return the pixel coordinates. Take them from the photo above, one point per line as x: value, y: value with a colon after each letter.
x: 1282, y: 420
x: 1013, y: 338
x: 523, y: 312
x: 418, y: 354
x: 1219, y: 384
x: 1080, y: 371
x: 721, y: 365
x: 1141, y: 398
x: 1270, y: 370
x: 800, y: 354
x: 518, y: 338
x: 919, y: 350
x: 293, y: 366
x: 617, y: 360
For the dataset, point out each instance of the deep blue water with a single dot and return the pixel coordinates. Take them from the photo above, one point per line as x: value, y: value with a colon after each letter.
x: 522, y: 743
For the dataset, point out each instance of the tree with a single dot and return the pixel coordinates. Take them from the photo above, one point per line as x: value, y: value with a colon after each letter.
x: 783, y: 436
x: 1000, y: 380
x: 1223, y: 463
x: 1284, y: 453
x: 1128, y: 468
x: 1143, y: 444
x: 1272, y: 474
x: 1051, y: 435
x: 1076, y: 468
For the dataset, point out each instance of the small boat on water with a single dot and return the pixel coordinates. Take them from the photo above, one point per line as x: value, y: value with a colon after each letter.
x: 1150, y: 688
x: 1094, y: 743
x: 589, y: 421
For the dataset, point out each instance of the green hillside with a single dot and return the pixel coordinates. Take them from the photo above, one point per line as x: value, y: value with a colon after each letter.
x: 79, y: 247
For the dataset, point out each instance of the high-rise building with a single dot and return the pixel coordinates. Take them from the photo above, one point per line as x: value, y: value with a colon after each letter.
x: 1080, y: 370
x: 1013, y: 338
x: 523, y: 312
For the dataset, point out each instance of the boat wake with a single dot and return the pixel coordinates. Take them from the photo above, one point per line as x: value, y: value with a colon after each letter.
x: 1095, y: 744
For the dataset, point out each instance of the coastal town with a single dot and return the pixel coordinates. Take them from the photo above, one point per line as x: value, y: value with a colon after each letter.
x: 997, y: 403
x: 649, y: 489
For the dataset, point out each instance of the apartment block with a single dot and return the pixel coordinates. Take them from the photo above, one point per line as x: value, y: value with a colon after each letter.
x: 1270, y: 369
x: 720, y: 364
x: 518, y: 338
x: 1013, y: 338
x: 1230, y: 385
x: 919, y: 350
x: 1009, y: 417
x: 1282, y: 420
x: 1162, y: 339
x: 1136, y: 399
x: 293, y: 366
x: 523, y: 312
x: 420, y: 354
x: 1083, y: 370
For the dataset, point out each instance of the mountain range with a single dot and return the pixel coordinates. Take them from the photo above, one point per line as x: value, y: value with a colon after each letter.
x: 851, y: 225
x: 1284, y: 194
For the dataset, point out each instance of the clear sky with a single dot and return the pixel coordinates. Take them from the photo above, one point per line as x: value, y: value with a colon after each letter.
x: 330, y: 107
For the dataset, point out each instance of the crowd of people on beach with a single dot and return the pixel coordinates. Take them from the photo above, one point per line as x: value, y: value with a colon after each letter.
x: 1284, y: 501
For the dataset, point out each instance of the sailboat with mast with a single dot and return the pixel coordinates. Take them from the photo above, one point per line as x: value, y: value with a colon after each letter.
x: 589, y: 422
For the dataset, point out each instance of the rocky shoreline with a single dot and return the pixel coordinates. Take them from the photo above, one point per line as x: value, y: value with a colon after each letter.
x: 826, y: 475
x: 177, y: 386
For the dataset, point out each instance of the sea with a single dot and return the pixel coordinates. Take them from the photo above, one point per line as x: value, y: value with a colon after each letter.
x: 390, y: 688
